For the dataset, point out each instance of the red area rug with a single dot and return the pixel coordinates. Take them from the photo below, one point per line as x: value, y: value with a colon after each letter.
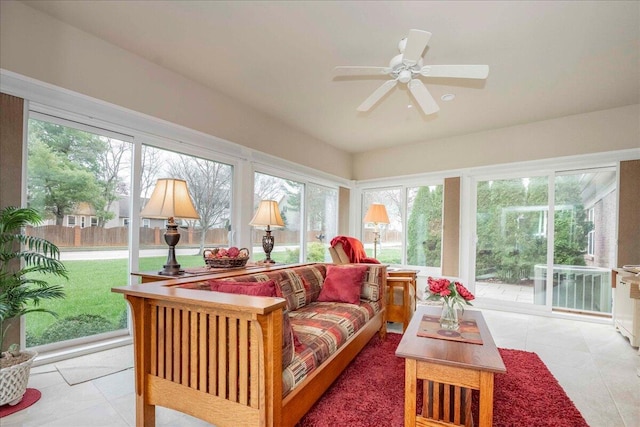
x: 370, y: 392
x: 30, y: 397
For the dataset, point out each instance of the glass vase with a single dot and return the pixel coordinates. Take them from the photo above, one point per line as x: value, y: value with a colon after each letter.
x: 449, y: 316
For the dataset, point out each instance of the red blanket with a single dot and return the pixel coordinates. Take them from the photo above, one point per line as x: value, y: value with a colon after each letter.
x: 354, y: 249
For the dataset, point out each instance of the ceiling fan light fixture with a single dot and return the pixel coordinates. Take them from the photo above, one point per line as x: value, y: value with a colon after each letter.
x: 404, y: 76
x: 448, y: 97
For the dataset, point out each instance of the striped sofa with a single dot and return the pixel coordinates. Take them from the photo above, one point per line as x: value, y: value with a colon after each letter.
x: 247, y: 360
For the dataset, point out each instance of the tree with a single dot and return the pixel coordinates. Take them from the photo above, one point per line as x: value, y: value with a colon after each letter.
x: 424, y: 228
x: 57, y: 185
x: 111, y: 162
x: 68, y: 166
x: 151, y: 165
x: 210, y: 187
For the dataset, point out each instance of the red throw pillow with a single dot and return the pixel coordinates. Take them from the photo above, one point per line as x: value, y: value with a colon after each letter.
x: 343, y: 283
x: 256, y: 289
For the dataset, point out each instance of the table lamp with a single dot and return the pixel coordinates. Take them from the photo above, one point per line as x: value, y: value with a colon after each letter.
x: 377, y: 214
x: 170, y: 199
x: 267, y: 215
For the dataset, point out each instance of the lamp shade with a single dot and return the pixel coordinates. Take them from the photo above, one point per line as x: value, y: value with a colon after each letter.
x: 268, y: 214
x: 170, y: 199
x: 376, y: 214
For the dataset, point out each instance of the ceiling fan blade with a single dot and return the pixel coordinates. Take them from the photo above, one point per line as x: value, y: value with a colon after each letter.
x: 422, y: 95
x: 377, y: 94
x: 361, y: 71
x: 416, y: 42
x: 456, y: 71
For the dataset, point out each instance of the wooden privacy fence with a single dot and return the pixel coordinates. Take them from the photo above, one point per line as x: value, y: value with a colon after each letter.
x: 70, y: 237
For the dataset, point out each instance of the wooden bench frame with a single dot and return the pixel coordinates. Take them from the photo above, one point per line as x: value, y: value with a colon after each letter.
x: 183, y: 359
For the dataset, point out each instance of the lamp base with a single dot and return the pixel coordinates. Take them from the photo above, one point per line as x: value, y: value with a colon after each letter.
x: 170, y: 270
x: 267, y: 246
x: 172, y: 237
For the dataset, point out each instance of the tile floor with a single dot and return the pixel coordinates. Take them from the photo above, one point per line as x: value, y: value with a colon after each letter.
x: 594, y: 364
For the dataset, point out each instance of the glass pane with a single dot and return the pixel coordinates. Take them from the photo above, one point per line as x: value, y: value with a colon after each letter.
x: 210, y: 185
x: 424, y: 226
x: 584, y: 246
x: 73, y: 175
x: 511, y: 250
x: 322, y: 223
x: 389, y: 247
x: 288, y: 194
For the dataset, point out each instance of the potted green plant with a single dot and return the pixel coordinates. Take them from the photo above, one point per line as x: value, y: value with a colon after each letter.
x: 23, y: 262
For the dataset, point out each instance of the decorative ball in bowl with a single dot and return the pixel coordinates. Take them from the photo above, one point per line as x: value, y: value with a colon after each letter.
x: 226, y: 258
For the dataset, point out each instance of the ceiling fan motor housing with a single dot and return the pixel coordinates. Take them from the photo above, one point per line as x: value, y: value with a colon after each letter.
x: 402, y: 71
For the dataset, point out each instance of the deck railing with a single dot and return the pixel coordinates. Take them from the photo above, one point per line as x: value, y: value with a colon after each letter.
x: 576, y: 288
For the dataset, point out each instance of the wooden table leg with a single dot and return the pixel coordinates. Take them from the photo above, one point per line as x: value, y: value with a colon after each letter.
x: 410, y: 387
x: 486, y: 399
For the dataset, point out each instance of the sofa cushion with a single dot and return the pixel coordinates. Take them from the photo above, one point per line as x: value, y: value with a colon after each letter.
x: 322, y: 328
x: 299, y: 285
x: 343, y: 283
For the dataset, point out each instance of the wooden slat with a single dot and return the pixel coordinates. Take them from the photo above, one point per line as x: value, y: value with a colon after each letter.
x: 177, y: 344
x: 446, y: 402
x: 203, y: 345
x: 222, y: 356
x: 244, y: 363
x: 185, y: 344
x: 233, y: 360
x: 458, y: 405
x: 153, y: 367
x: 254, y: 369
x: 468, y: 421
x: 162, y: 333
x: 436, y: 400
x: 194, y: 354
x: 213, y: 355
x: 427, y: 392
x: 168, y: 341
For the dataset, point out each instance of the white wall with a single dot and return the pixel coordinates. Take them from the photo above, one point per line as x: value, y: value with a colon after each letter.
x: 600, y: 131
x: 36, y: 45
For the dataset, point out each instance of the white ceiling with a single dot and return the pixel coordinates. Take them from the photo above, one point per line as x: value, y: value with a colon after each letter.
x: 547, y: 59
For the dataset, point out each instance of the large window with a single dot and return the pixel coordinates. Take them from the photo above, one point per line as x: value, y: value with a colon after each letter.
x: 322, y: 225
x: 389, y: 239
x: 414, y: 233
x: 210, y: 184
x: 73, y: 173
x: 424, y: 226
x: 288, y: 194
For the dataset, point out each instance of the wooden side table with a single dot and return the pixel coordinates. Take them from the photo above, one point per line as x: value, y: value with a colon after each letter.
x: 401, y: 296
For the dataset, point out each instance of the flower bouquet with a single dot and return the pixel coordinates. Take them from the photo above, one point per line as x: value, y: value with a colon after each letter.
x: 453, y: 295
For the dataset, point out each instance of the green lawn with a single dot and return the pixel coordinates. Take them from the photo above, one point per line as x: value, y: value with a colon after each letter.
x: 88, y: 290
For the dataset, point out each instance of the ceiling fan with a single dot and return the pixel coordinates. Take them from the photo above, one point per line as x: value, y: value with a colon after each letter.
x: 407, y: 67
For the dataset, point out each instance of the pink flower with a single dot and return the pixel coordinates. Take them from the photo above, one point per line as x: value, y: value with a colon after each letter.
x: 464, y: 292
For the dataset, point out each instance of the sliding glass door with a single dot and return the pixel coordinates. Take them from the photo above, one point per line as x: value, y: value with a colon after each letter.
x: 511, y: 229
x: 515, y: 233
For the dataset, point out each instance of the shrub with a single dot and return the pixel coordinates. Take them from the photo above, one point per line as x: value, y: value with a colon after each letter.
x: 73, y: 327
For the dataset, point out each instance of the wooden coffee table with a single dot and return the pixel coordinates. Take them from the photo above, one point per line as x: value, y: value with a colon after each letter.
x: 449, y: 370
